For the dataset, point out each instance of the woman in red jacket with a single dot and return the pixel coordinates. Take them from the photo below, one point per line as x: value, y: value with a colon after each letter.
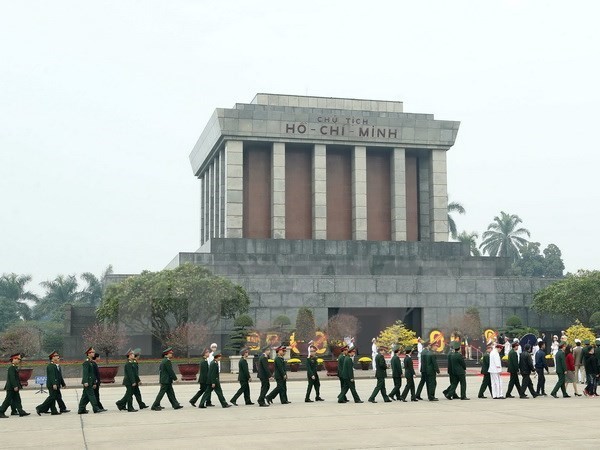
x: 570, y: 378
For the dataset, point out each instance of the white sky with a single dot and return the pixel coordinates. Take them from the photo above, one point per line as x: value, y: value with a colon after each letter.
x: 102, y: 102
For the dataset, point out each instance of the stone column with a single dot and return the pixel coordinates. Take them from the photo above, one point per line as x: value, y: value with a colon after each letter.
x: 438, y: 194
x: 202, y: 212
x: 319, y: 188
x: 398, y: 190
x: 278, y: 191
x: 359, y: 193
x: 234, y: 185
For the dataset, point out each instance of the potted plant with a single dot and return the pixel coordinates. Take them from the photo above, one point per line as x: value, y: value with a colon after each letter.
x: 319, y: 364
x: 294, y: 364
x: 184, y: 340
x: 365, y: 362
x: 238, y: 339
x: 23, y: 337
x: 108, y: 338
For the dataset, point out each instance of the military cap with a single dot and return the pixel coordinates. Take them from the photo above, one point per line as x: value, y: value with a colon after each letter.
x: 129, y: 352
x: 217, y: 354
x: 515, y: 344
x: 16, y: 355
x: 51, y: 355
x: 586, y: 342
x: 352, y: 350
x: 167, y: 350
x: 281, y: 347
x: 395, y: 348
x: 409, y: 349
x: 89, y: 350
x: 344, y: 347
x: 244, y: 350
x: 498, y: 345
x: 455, y: 345
x: 266, y: 348
x: 562, y: 344
x: 137, y: 351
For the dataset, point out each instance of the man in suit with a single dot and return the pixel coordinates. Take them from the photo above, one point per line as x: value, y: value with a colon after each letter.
x: 312, y: 375
x: 12, y: 388
x: 130, y: 380
x: 396, y: 366
x: 53, y: 381
x: 423, y: 368
x: 541, y: 365
x: 88, y: 380
x: 136, y: 389
x: 432, y: 372
x: 348, y: 378
x: 244, y: 379
x: 485, y: 365
x: 98, y: 381
x: 166, y: 378
x: 513, y: 369
x: 561, y: 371
x: 380, y: 376
x: 202, y: 378
x: 280, y: 376
x: 264, y: 375
x: 409, y: 373
x: 459, y: 372
x: 526, y: 367
x: 214, y: 385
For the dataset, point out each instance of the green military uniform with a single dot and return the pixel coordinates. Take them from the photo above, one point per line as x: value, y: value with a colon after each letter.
x: 280, y: 376
x: 431, y: 371
x: 12, y: 388
x: 244, y: 380
x: 129, y: 379
x: 53, y: 378
x: 451, y: 376
x: 313, y: 378
x: 264, y: 373
x: 487, y: 382
x: 166, y: 378
x: 561, y: 368
x: 214, y: 385
x: 136, y: 389
x: 88, y: 396
x: 203, y: 381
x: 340, y: 369
x: 380, y: 376
x: 347, y: 376
x: 409, y: 373
x: 513, y: 369
x: 396, y: 366
x: 423, y: 381
x: 459, y: 374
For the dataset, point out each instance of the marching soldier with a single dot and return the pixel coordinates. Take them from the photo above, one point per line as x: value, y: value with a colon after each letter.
x: 459, y: 373
x: 451, y: 376
x: 396, y: 373
x: 130, y: 379
x: 53, y: 381
x: 12, y: 388
x: 526, y: 367
x: 409, y: 373
x: 432, y: 372
x: 213, y: 382
x: 561, y: 371
x: 347, y: 376
x: 340, y: 367
x: 513, y: 369
x: 244, y: 379
x: 380, y: 375
x: 312, y: 375
x: 423, y: 369
x: 485, y: 365
x: 202, y: 379
x: 136, y: 389
x: 166, y: 378
x: 98, y: 381
x: 264, y: 374
x: 280, y: 375
x: 88, y: 380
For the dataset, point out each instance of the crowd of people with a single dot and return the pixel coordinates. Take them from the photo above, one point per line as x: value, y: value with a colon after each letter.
x: 573, y: 366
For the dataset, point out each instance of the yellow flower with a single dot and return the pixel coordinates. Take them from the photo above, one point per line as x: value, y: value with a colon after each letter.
x: 293, y: 361
x: 319, y: 360
x: 365, y: 359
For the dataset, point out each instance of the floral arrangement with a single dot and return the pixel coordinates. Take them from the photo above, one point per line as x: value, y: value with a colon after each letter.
x: 365, y: 359
x: 319, y: 360
x: 293, y: 361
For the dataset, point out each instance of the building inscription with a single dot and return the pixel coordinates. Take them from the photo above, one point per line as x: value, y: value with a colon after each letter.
x: 341, y: 126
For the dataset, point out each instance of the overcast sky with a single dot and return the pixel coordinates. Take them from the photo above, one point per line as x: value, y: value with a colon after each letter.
x: 102, y: 102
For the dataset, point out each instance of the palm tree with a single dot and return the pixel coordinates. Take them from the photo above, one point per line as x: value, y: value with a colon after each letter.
x: 12, y: 287
x: 471, y: 239
x: 454, y: 207
x: 92, y: 294
x: 60, y: 292
x: 503, y: 238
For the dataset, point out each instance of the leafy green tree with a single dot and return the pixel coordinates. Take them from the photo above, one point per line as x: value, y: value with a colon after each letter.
x: 595, y: 321
x: 575, y: 296
x: 9, y: 313
x: 534, y: 264
x: 457, y: 208
x: 12, y: 288
x: 60, y: 292
x: 239, y: 333
x: 92, y: 293
x: 305, y: 325
x: 282, y: 321
x: 159, y: 302
x: 471, y: 239
x: 397, y: 334
x: 504, y: 237
x: 553, y: 263
x: 514, y: 328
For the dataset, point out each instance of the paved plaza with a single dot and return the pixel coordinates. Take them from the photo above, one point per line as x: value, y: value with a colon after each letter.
x: 544, y: 422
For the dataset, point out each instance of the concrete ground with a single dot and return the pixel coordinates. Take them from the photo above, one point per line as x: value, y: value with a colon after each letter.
x: 543, y: 422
